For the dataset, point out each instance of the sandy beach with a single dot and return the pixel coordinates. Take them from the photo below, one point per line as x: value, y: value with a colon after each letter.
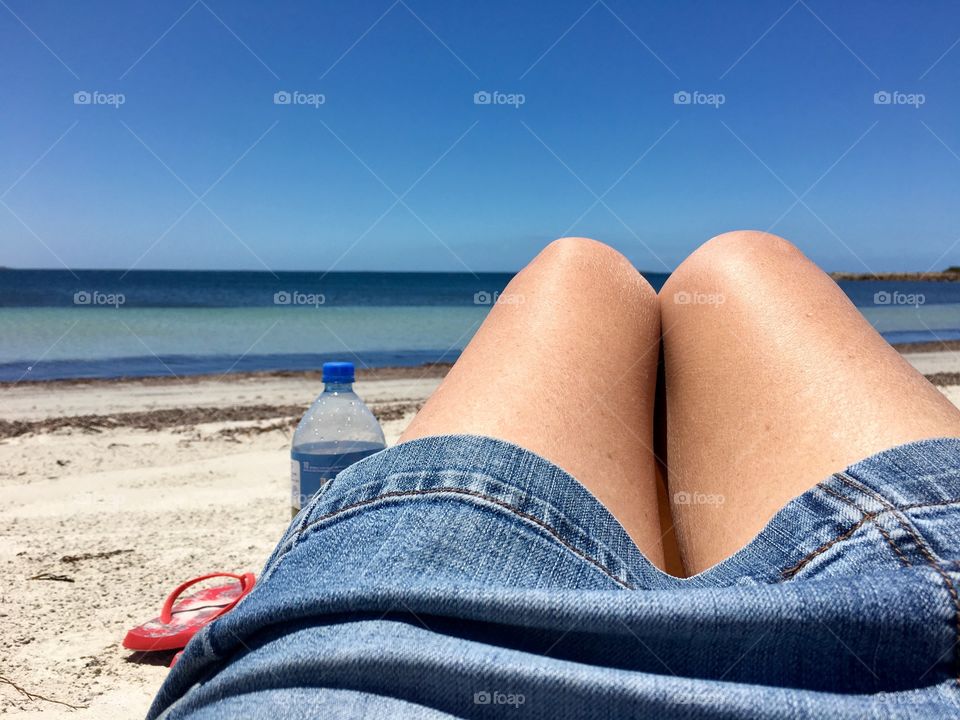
x: 117, y: 491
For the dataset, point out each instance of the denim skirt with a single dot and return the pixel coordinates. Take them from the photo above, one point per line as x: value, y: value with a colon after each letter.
x: 463, y: 576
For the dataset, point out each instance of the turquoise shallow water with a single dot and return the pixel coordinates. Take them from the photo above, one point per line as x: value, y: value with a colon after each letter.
x: 44, y: 343
x: 58, y: 324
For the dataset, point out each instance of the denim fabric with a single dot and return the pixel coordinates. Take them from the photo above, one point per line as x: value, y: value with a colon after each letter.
x: 462, y: 576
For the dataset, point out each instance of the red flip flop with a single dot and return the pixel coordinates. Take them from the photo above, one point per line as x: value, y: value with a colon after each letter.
x: 181, y: 619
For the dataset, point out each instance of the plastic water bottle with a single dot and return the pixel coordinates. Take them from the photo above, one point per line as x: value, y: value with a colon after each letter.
x: 337, y: 431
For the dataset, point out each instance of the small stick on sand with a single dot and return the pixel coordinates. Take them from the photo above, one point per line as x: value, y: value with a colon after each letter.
x: 93, y: 556
x: 51, y: 576
x: 36, y: 696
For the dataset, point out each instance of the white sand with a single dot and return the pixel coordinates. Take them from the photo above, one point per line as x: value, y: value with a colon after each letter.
x: 179, y: 502
x: 937, y: 361
x: 185, y: 501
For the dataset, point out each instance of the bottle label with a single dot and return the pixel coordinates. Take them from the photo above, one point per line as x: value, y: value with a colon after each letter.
x: 295, y: 503
x: 309, y: 473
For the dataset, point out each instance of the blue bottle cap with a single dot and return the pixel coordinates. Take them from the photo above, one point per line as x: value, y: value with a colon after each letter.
x: 338, y: 372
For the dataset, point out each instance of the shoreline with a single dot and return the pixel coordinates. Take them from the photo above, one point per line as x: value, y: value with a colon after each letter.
x: 247, y: 403
x: 930, y: 276
x: 387, y: 372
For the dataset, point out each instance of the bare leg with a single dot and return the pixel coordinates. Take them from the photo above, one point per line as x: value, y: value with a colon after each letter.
x: 774, y: 381
x: 565, y: 365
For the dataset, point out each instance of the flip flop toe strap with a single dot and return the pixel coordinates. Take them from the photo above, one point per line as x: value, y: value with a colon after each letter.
x: 246, y: 580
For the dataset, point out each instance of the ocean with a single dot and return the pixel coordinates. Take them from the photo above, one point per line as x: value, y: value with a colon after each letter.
x: 57, y: 324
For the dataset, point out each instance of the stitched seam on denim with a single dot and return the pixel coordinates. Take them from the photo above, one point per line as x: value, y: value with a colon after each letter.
x: 927, y: 554
x: 586, y: 537
x: 791, y: 571
x: 918, y: 506
x: 883, y: 531
x: 557, y: 512
x: 470, y: 493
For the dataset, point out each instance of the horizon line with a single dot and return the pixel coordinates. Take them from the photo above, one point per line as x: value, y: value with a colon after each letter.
x: 878, y: 274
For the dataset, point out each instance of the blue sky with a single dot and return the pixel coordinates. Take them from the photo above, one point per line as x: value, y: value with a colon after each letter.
x: 399, y: 168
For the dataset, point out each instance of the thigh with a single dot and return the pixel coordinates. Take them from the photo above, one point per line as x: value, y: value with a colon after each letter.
x: 774, y: 381
x: 565, y: 365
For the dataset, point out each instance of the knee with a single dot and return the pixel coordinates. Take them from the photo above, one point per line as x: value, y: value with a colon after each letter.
x: 580, y: 252
x: 747, y: 246
x: 586, y: 263
x: 728, y: 261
